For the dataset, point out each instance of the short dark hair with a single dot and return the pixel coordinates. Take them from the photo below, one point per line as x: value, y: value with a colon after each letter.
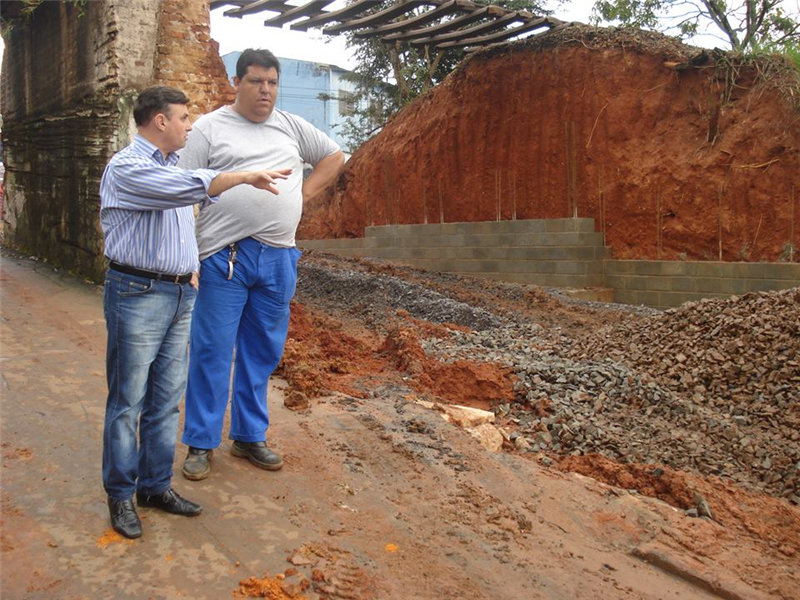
x: 156, y: 100
x: 260, y: 58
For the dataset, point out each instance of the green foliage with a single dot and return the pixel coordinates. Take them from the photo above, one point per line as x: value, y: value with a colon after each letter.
x: 745, y: 25
x: 29, y: 6
x: 390, y: 75
x: 629, y: 12
x: 793, y: 54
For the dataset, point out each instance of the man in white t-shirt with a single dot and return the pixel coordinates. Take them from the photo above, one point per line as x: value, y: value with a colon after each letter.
x: 248, y: 261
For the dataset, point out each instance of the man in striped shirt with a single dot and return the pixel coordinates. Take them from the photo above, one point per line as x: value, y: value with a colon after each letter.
x: 148, y: 223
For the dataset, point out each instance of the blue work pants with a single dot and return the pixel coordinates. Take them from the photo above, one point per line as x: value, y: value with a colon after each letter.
x: 248, y: 313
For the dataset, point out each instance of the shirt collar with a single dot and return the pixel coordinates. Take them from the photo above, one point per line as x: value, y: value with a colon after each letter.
x: 147, y: 148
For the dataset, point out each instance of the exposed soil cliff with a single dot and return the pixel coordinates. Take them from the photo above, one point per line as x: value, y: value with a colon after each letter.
x: 675, y: 153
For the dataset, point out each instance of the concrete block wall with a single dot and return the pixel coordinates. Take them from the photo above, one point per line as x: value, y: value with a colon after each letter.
x: 551, y: 252
x: 666, y: 284
x: 564, y: 253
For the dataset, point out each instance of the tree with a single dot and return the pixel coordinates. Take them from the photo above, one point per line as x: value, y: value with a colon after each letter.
x: 390, y: 75
x: 28, y: 6
x: 746, y: 25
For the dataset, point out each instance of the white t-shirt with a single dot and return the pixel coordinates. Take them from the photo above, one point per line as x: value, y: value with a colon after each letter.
x: 225, y: 141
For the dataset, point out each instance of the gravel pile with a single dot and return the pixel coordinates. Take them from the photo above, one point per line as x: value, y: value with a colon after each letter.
x: 373, y: 296
x: 742, y: 353
x: 711, y: 387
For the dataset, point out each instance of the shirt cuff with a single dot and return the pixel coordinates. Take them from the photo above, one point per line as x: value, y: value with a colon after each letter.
x: 206, y: 176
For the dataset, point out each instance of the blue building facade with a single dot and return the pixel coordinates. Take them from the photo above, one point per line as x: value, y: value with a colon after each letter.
x: 315, y: 91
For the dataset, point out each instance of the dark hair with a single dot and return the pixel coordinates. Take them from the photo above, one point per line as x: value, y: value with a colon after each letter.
x: 156, y: 100
x: 260, y: 58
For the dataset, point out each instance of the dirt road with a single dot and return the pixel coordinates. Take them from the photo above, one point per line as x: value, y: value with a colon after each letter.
x: 380, y: 498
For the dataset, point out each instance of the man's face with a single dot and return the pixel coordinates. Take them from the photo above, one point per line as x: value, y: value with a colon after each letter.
x: 177, y: 126
x: 256, y: 93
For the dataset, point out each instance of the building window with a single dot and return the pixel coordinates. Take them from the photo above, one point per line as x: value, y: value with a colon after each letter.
x: 347, y: 103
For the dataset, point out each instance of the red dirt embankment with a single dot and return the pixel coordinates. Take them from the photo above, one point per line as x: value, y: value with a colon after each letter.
x: 673, y: 160
x: 321, y: 358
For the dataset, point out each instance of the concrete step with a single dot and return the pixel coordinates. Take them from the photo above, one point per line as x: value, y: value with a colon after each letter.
x: 484, y: 227
x: 529, y: 253
x: 557, y: 281
x: 565, y: 267
x: 505, y: 240
x: 595, y: 294
x: 332, y: 244
x: 705, y: 269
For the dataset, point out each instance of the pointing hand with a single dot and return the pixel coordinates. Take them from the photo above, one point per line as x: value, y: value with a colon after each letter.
x: 265, y: 180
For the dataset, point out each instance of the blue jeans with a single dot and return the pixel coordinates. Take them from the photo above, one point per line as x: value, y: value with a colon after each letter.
x: 250, y: 313
x: 148, y: 326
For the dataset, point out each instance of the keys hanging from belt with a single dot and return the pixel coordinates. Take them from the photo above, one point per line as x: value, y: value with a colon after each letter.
x: 232, y: 250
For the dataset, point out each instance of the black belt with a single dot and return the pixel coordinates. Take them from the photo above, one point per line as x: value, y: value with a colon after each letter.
x: 150, y: 274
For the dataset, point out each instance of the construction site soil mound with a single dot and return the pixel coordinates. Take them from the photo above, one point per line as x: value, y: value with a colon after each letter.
x: 603, y: 389
x: 738, y: 511
x: 582, y: 388
x: 676, y: 153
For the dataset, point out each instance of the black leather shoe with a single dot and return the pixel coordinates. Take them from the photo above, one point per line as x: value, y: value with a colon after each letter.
x: 124, y: 519
x: 258, y: 454
x: 196, y: 466
x: 170, y: 502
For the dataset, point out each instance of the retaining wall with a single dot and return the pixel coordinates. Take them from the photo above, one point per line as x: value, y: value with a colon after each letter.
x: 562, y: 253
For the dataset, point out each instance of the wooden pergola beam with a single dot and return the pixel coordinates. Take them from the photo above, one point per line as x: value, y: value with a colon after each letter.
x: 304, y: 10
x: 546, y: 22
x: 217, y: 3
x: 470, y: 32
x: 450, y: 25
x: 338, y: 15
x: 380, y: 17
x: 456, y: 32
x: 257, y: 6
x: 426, y: 17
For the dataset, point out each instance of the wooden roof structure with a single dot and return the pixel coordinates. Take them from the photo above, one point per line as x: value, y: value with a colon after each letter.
x: 471, y: 25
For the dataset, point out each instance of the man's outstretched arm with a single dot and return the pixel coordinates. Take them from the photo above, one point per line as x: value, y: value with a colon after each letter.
x: 263, y: 180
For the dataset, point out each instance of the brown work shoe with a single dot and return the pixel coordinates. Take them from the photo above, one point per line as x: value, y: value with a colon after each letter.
x: 196, y: 466
x: 258, y: 454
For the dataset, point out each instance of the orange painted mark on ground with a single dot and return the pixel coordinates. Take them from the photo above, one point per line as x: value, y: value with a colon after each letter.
x: 111, y: 537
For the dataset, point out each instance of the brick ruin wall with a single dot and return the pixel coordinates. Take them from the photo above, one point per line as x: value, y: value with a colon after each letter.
x: 187, y: 57
x: 69, y: 78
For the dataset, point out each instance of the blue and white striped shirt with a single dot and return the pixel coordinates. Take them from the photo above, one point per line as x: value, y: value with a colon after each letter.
x: 146, y: 209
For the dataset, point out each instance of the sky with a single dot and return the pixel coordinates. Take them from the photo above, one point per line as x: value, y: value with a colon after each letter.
x: 250, y: 32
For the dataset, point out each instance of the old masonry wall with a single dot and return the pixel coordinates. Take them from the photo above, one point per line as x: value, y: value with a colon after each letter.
x: 70, y: 75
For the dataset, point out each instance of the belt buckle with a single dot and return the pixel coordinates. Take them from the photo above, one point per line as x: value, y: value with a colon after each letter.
x: 177, y: 279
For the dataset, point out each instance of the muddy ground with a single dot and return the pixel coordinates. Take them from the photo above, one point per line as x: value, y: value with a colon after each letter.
x: 380, y: 497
